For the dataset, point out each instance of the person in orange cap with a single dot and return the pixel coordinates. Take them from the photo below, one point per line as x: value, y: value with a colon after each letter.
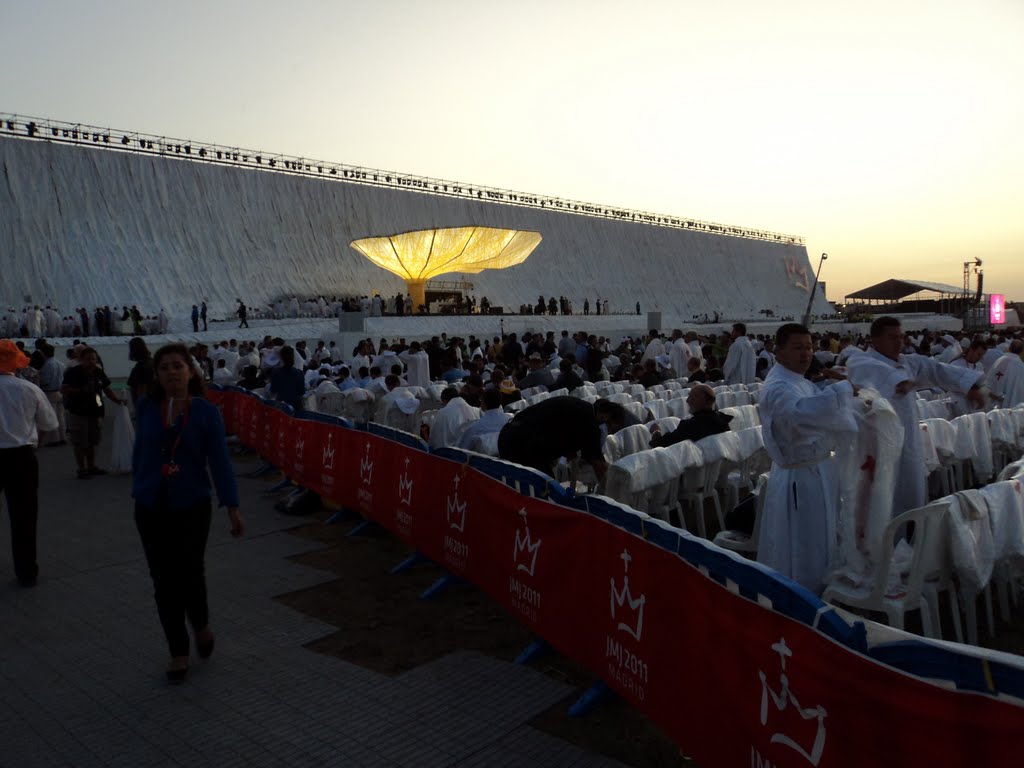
x: 24, y: 413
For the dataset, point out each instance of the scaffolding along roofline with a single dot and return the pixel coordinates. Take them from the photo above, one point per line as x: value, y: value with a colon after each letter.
x: 55, y: 131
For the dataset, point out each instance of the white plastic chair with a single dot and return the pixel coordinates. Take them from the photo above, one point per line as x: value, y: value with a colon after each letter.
x: 332, y: 403
x: 751, y: 460
x: 644, y: 481
x: 743, y: 417
x: 974, y: 445
x: 950, y: 472
x: 1003, y: 426
x: 697, y: 484
x: 486, y: 444
x: 906, y: 594
x: 657, y: 409
x: 678, y: 408
x: 626, y: 441
x: 358, y: 404
x: 740, y: 541
x: 666, y: 424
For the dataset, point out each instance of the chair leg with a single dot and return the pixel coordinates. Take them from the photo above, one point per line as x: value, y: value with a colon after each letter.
x: 954, y: 607
x: 989, y: 617
x: 926, y: 620
x: 931, y: 596
x: 718, y: 512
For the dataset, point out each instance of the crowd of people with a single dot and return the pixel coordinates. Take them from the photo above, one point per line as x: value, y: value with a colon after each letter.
x: 809, y: 382
x: 34, y: 321
x: 179, y: 444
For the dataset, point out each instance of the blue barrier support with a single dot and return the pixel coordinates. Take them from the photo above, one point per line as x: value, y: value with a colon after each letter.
x: 537, y: 647
x: 592, y: 698
x: 411, y: 561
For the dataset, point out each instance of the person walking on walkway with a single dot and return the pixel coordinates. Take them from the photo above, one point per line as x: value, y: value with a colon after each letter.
x: 24, y: 413
x: 179, y: 435
x: 82, y: 389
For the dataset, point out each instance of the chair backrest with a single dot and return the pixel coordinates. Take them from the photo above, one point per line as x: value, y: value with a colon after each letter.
x: 666, y: 423
x: 1003, y: 425
x: 943, y: 437
x: 974, y: 443
x: 635, y: 389
x: 561, y: 392
x: 629, y: 440
x: 332, y: 403
x: 678, y: 408
x: 358, y: 404
x: 658, y: 409
x: 486, y: 444
x: 531, y: 391
x: 620, y: 397
x: 536, y: 398
x: 637, y: 409
x: 743, y: 417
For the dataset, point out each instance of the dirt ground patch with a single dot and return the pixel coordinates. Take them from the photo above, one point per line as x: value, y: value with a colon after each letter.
x: 384, y: 626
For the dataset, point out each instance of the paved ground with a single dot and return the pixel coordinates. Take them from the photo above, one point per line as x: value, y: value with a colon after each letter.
x: 82, y: 658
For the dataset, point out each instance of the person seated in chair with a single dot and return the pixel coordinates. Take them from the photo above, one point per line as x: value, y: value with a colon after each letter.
x: 704, y: 420
x: 613, y: 415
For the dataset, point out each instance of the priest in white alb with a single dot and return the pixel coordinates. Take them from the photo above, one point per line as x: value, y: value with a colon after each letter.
x: 802, y: 426
x: 1006, y: 379
x: 897, y: 377
x: 740, y: 362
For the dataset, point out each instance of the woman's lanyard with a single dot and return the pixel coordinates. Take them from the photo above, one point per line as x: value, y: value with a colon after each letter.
x: 169, y: 467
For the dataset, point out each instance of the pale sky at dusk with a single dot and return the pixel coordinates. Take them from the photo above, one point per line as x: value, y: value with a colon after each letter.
x: 889, y: 134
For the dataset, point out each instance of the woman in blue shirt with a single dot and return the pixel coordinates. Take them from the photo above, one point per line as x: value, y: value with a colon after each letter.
x: 179, y: 435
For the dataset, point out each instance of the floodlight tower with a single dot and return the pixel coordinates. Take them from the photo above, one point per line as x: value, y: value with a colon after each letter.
x: 814, y: 289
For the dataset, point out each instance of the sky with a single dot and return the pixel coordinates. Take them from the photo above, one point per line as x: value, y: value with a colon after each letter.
x: 889, y: 134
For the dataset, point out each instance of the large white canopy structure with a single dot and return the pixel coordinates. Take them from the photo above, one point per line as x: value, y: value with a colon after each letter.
x: 418, y: 256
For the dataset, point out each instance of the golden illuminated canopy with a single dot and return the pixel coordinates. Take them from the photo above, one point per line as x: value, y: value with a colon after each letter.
x: 418, y: 256
x: 421, y: 255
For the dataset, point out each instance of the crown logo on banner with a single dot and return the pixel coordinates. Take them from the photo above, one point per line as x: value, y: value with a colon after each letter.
x: 798, y: 719
x: 456, y: 509
x: 525, y: 553
x: 300, y: 447
x: 405, y: 486
x: 630, y: 609
x: 328, y: 457
x: 366, y: 467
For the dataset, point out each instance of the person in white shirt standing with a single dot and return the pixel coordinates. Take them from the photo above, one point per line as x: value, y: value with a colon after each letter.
x: 417, y: 364
x: 24, y: 413
x: 740, y: 366
x: 801, y: 426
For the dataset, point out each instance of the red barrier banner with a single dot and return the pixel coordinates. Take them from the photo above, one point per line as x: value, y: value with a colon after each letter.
x: 733, y: 682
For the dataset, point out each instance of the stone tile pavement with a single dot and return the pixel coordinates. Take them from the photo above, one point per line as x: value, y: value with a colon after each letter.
x: 82, y: 657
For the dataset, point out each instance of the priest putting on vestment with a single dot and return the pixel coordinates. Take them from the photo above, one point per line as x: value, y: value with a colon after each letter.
x: 897, y: 377
x: 802, y: 425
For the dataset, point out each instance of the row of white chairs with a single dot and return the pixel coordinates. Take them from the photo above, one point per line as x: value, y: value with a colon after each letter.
x: 971, y: 449
x: 683, y: 476
x: 961, y: 545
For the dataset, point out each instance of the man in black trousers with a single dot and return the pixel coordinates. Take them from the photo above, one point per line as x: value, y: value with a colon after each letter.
x: 24, y: 413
